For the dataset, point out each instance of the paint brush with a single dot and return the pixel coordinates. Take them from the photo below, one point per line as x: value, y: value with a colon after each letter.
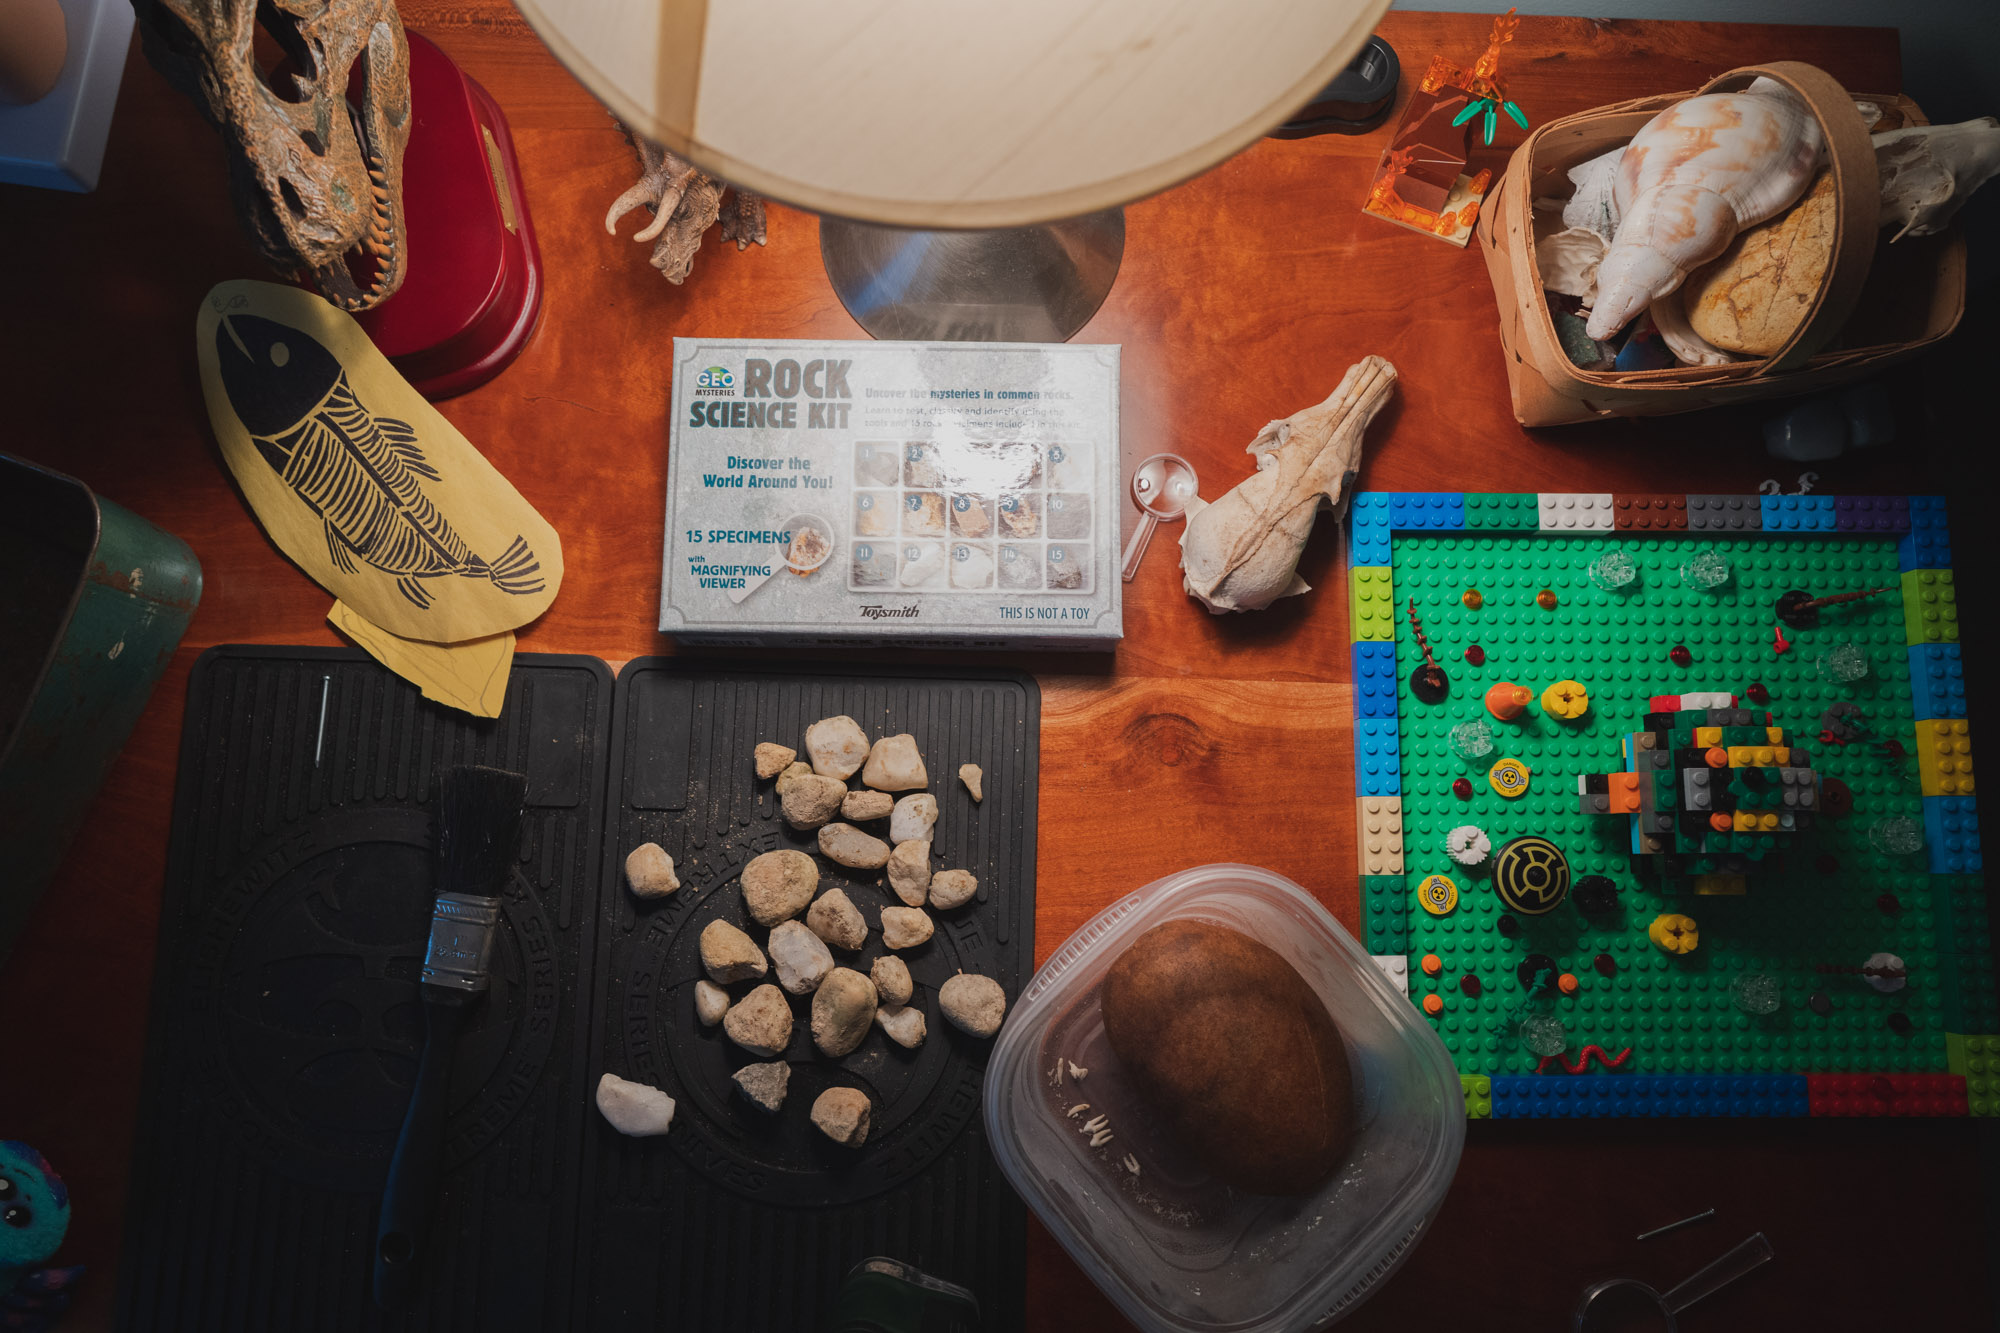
x: 479, y: 824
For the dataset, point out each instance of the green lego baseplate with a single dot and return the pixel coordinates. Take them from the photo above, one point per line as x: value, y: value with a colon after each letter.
x: 1810, y: 913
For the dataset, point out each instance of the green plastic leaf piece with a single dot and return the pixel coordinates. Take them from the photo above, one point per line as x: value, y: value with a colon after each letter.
x: 1492, y: 124
x: 1470, y: 110
x: 1515, y: 112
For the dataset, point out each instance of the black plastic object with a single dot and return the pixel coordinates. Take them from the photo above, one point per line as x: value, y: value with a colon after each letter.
x: 889, y: 1296
x: 1359, y: 98
x: 741, y: 1221
x: 286, y: 1023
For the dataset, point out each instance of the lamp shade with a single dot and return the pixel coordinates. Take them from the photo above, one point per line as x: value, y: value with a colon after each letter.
x: 947, y: 113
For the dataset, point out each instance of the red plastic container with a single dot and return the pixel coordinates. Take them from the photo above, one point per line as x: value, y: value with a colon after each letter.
x: 473, y: 290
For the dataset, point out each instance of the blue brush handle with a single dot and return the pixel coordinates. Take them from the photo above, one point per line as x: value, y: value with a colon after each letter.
x: 411, y: 1190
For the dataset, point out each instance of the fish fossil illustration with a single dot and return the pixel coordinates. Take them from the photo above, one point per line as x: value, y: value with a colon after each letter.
x: 362, y: 474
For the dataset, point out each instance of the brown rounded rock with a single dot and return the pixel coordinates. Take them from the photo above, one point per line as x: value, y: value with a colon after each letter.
x: 1235, y: 1052
x: 778, y: 885
x: 834, y: 918
x: 842, y: 1009
x: 812, y: 800
x: 760, y: 1022
x: 842, y: 1115
x: 974, y: 1004
x: 891, y: 976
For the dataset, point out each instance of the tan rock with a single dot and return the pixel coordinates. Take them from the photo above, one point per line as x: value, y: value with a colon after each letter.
x: 773, y: 759
x: 863, y: 804
x: 905, y: 927
x: 904, y: 1024
x: 1753, y: 299
x: 763, y: 1086
x: 800, y: 957
x: 853, y: 848
x: 842, y: 1009
x: 842, y: 1115
x: 834, y: 918
x: 837, y: 746
x: 895, y: 765
x: 711, y: 1002
x: 727, y: 954
x: 778, y: 885
x: 649, y: 871
x: 914, y: 817
x: 760, y: 1022
x: 974, y: 1004
x: 972, y: 776
x: 812, y: 800
x: 793, y: 772
x: 953, y: 888
x: 891, y: 976
x: 910, y: 871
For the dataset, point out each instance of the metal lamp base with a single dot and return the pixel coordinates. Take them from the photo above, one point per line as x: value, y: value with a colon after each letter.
x: 1017, y: 284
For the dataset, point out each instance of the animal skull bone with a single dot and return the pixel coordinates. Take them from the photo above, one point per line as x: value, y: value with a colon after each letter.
x: 316, y: 153
x: 1928, y: 170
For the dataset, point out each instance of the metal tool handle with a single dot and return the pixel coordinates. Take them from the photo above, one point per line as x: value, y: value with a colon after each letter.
x: 411, y: 1190
x: 1719, y: 1274
x: 1135, y: 550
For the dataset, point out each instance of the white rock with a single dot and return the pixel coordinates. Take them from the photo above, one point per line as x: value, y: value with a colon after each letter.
x: 800, y: 956
x: 851, y: 847
x: 711, y: 1002
x: 895, y: 765
x: 634, y: 1108
x: 905, y: 927
x: 837, y: 746
x: 859, y: 805
x: 910, y: 871
x: 834, y: 918
x: 953, y: 888
x: 972, y: 777
x: 772, y: 759
x: 974, y: 1004
x: 760, y: 1022
x: 904, y: 1024
x: 649, y: 871
x: 913, y: 818
x: 764, y: 1086
x: 842, y: 1115
x: 727, y: 954
x: 891, y: 976
x: 779, y: 885
x: 810, y: 801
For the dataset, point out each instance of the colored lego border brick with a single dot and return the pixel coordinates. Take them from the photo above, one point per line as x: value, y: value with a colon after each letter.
x: 1937, y: 677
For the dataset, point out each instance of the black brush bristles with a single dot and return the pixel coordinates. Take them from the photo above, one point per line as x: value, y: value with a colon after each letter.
x: 479, y: 828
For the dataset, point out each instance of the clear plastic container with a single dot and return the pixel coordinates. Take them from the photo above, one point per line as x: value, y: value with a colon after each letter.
x: 1174, y: 1249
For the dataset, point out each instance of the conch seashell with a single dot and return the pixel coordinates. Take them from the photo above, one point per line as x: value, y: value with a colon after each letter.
x: 1695, y: 175
x: 1928, y: 170
x: 1242, y: 552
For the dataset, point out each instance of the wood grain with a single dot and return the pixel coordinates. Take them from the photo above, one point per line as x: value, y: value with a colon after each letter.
x: 1245, y: 295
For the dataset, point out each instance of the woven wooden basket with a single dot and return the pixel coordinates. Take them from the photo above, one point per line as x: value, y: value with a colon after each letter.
x: 1880, y: 304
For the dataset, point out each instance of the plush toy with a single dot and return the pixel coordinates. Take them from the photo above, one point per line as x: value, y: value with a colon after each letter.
x: 34, y: 1214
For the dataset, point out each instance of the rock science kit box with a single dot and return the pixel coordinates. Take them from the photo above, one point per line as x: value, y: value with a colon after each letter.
x: 926, y: 494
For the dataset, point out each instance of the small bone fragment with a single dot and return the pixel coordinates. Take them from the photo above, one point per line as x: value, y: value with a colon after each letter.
x: 903, y: 1022
x: 764, y: 1085
x: 761, y: 1022
x: 842, y: 1115
x: 634, y: 1108
x: 972, y: 777
x: 801, y: 957
x: 851, y: 847
x: 842, y: 1009
x: 1058, y: 1073
x: 812, y: 800
x: 793, y: 772
x: 891, y: 976
x: 895, y: 765
x: 773, y: 759
x: 1077, y: 1110
x: 974, y: 1003
x: 649, y: 871
x: 1131, y: 1164
x: 913, y: 818
x: 1095, y: 1123
x: 910, y: 871
x: 727, y: 954
x: 905, y: 927
x: 711, y: 1002
x: 1077, y: 1071
x: 834, y: 918
x: 779, y: 885
x: 953, y: 888
x: 1242, y: 552
x: 837, y: 746
x: 1101, y: 1138
x: 859, y: 805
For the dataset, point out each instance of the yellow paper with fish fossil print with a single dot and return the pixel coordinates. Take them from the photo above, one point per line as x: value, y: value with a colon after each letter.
x: 360, y: 480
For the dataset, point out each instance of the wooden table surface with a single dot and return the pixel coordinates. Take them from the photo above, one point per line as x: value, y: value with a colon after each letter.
x: 1244, y: 295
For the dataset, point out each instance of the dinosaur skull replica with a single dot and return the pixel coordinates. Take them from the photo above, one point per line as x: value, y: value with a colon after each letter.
x: 315, y: 152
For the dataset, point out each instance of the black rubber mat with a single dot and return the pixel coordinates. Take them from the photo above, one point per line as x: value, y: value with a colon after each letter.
x: 286, y: 1025
x: 740, y: 1221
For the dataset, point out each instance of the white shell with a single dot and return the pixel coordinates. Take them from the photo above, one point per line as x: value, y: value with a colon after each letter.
x: 1699, y: 172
